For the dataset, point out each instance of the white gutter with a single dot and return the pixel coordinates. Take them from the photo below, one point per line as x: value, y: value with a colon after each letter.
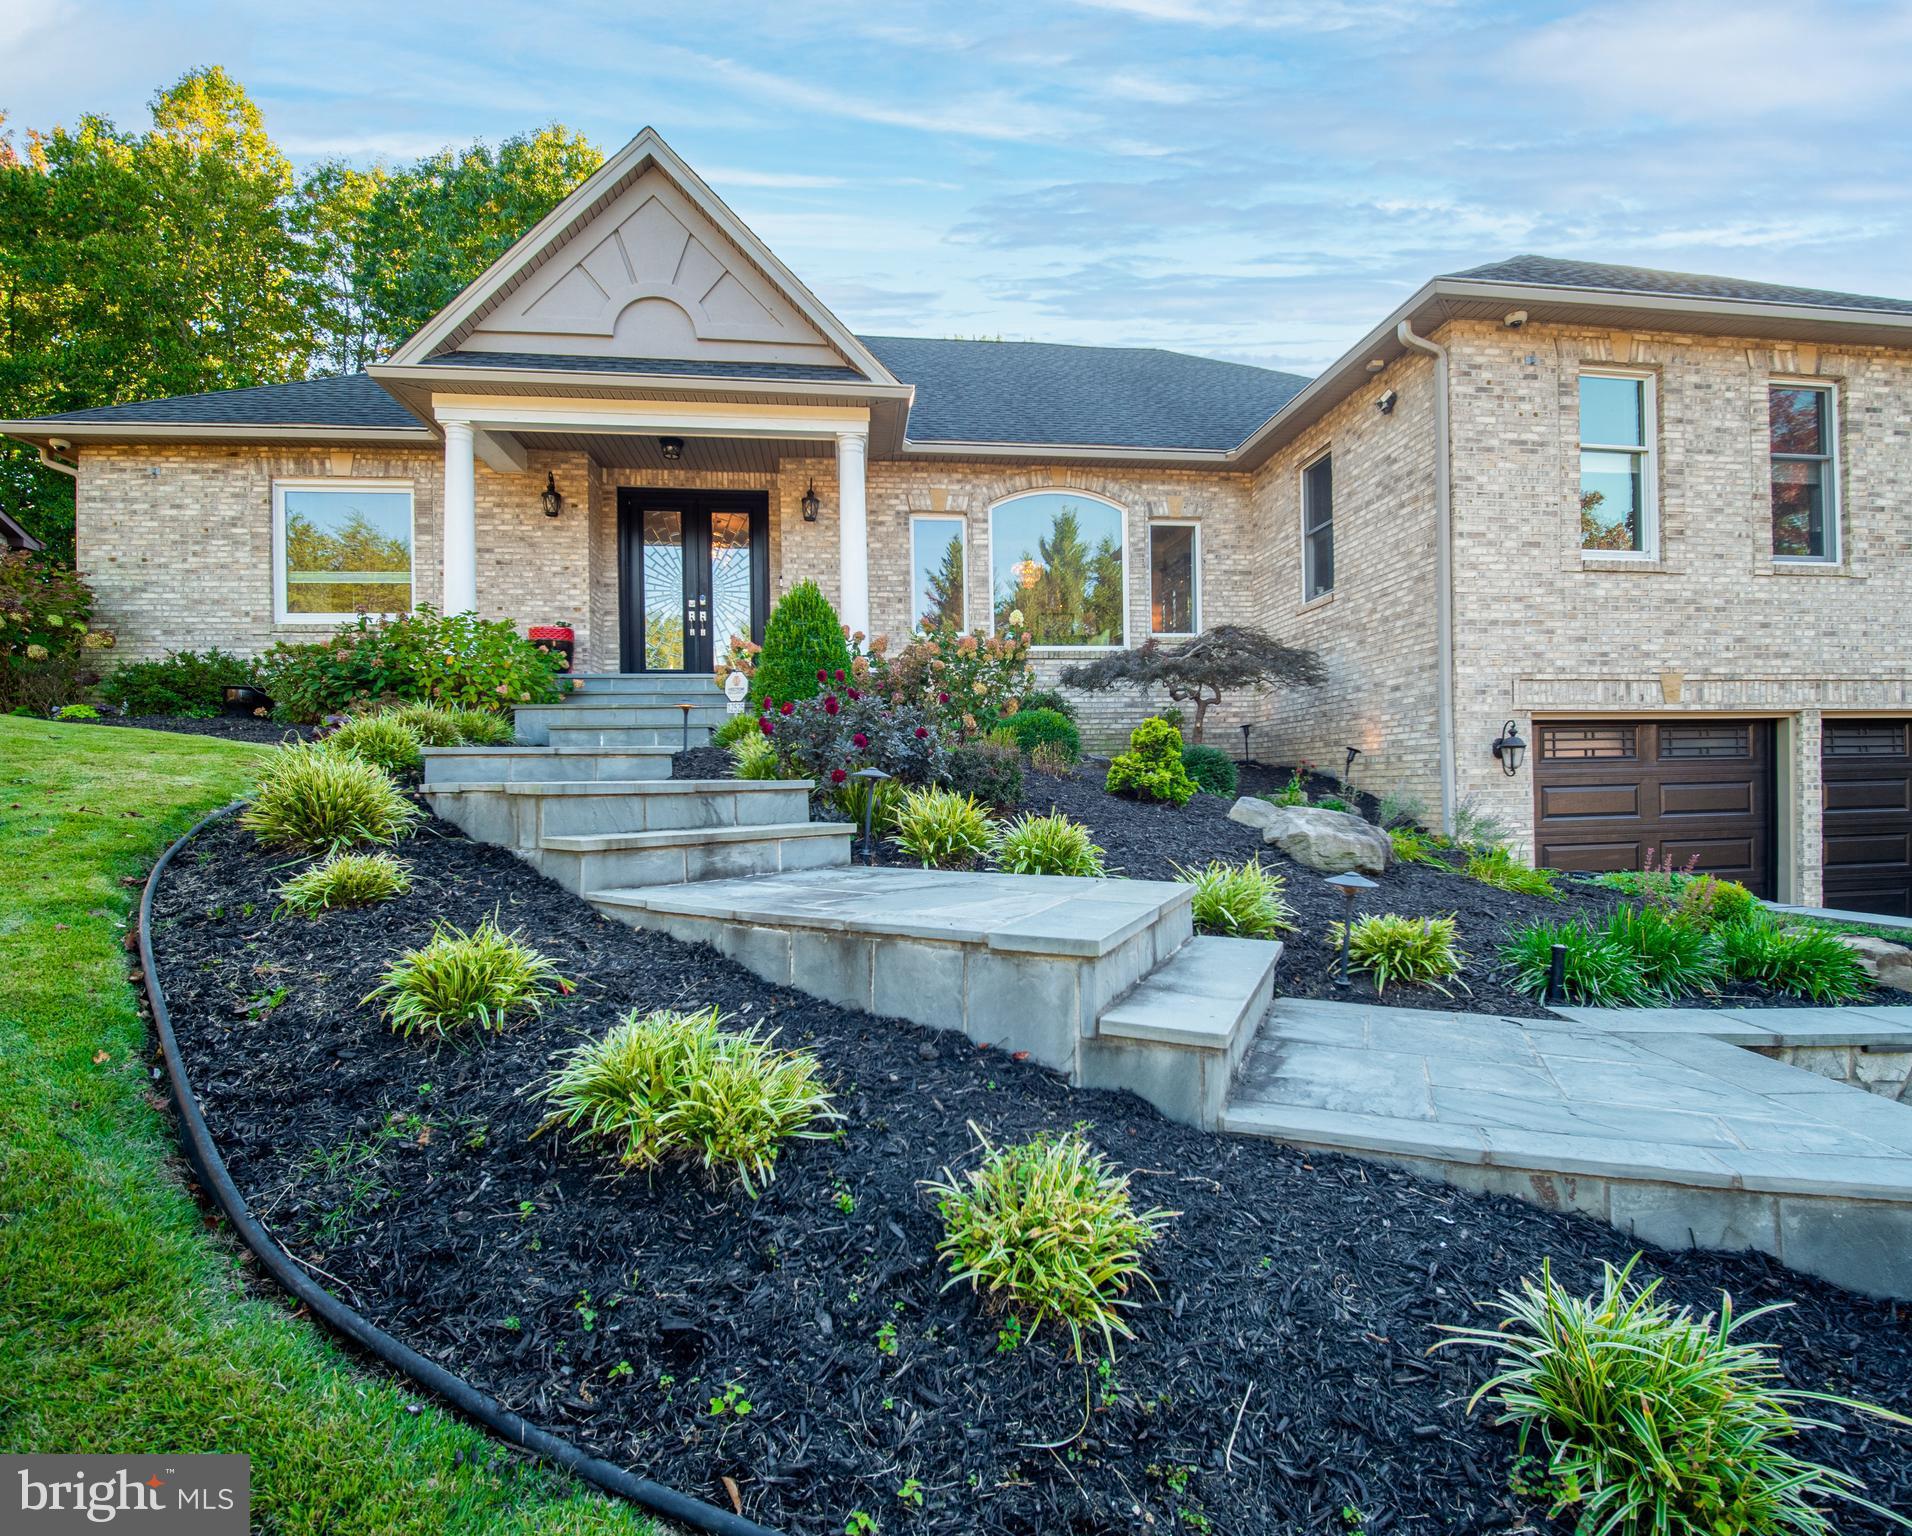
x: 1443, y: 569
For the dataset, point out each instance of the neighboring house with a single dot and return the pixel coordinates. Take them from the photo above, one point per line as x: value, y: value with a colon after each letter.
x: 1659, y: 524
x: 16, y: 537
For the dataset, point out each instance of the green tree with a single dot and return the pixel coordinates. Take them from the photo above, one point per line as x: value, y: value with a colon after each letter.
x: 1067, y: 593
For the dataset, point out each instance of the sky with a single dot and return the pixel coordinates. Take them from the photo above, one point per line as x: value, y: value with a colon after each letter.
x: 1257, y: 180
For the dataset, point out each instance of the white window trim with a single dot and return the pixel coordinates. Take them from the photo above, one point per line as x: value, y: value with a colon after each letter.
x: 280, y: 615
x: 1195, y: 553
x: 962, y: 526
x: 1301, y: 523
x: 1649, y: 451
x: 1835, y: 545
x: 1128, y: 589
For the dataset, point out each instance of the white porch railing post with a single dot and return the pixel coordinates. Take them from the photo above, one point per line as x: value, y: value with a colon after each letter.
x: 460, y: 541
x: 853, y: 531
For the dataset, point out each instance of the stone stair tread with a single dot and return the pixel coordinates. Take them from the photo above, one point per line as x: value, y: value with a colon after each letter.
x: 1200, y: 996
x: 672, y: 837
x: 549, y: 751
x: 624, y: 786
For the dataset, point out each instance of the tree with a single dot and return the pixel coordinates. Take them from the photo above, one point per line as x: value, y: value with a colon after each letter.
x: 1067, y: 593
x: 1200, y: 671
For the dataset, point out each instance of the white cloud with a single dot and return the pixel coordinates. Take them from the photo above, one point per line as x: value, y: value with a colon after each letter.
x: 734, y: 176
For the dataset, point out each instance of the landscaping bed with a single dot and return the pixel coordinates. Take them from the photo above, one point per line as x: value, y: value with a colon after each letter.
x: 228, y: 727
x: 1279, y: 1379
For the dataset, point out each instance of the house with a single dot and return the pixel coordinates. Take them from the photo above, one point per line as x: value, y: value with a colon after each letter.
x: 1620, y: 556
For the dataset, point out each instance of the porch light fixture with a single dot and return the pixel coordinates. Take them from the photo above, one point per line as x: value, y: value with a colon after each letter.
x: 1509, y: 749
x: 671, y: 447
x: 550, y: 498
x: 1350, y: 885
x: 812, y: 505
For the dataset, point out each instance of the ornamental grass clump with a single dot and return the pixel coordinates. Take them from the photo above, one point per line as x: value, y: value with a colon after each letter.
x: 1047, y: 845
x: 1242, y: 901
x: 381, y: 739
x: 941, y: 829
x: 481, y: 977
x: 317, y: 801
x: 1501, y: 868
x: 482, y: 728
x: 1413, y: 846
x: 1046, y: 1230
x: 1654, y: 1422
x: 1676, y: 959
x: 669, y: 1085
x: 1806, y: 961
x: 345, y: 880
x: 1415, y: 951
x: 1598, y: 972
x: 432, y: 725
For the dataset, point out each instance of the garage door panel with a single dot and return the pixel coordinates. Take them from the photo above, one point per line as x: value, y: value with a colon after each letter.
x: 1867, y: 776
x: 1888, y: 898
x: 1864, y: 796
x: 1868, y: 850
x: 1725, y: 799
x: 1567, y: 802
x: 1607, y: 792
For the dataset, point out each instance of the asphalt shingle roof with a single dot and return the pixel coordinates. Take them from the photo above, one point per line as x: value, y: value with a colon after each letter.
x: 1551, y: 271
x: 349, y: 400
x: 1039, y: 392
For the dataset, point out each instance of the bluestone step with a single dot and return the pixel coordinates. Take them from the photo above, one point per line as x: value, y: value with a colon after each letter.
x: 520, y: 814
x: 455, y: 765
x: 629, y: 860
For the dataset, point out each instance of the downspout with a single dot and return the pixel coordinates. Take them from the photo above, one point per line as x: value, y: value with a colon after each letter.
x: 71, y: 471
x: 1443, y: 570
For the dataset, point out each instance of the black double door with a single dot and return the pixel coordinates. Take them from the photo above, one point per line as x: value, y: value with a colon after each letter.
x: 694, y: 569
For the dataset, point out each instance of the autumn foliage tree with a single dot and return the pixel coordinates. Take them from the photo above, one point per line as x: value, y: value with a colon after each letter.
x: 1199, y: 672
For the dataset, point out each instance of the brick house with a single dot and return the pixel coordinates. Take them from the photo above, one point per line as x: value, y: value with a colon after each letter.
x: 1655, y: 526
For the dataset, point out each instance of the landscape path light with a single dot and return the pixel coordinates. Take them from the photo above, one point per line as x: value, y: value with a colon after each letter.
x: 1350, y: 885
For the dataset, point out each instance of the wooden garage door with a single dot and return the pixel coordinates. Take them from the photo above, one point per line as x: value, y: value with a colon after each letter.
x: 1608, y: 791
x: 1867, y: 766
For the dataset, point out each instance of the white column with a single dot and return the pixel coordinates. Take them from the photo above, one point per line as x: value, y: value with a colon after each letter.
x: 459, y: 542
x: 853, y: 532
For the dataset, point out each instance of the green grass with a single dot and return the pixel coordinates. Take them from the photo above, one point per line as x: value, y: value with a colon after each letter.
x: 123, y: 1323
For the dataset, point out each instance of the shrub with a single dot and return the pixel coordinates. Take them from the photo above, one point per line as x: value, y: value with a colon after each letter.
x: 1047, y: 845
x: 942, y: 828
x: 380, y: 739
x: 1033, y: 728
x: 1046, y: 1229
x: 1676, y: 959
x: 1212, y: 769
x: 191, y: 683
x: 1708, y: 903
x: 670, y: 1085
x: 460, y: 978
x: 435, y: 726
x: 831, y: 735
x: 1335, y: 803
x: 1654, y: 1420
x: 735, y: 729
x: 1475, y: 826
x: 1052, y: 699
x: 1413, y: 846
x: 753, y: 758
x: 1418, y: 951
x: 1807, y: 961
x: 968, y: 684
x: 1294, y: 792
x: 76, y: 712
x: 803, y: 638
x: 46, y: 633
x: 1152, y: 767
x: 990, y: 773
x: 1598, y: 973
x: 482, y: 728
x: 1052, y: 758
x: 1399, y: 808
x: 321, y: 801
x: 1501, y: 868
x: 345, y: 880
x: 1242, y: 901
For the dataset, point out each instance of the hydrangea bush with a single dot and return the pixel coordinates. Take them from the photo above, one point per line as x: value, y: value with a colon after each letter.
x: 969, y: 684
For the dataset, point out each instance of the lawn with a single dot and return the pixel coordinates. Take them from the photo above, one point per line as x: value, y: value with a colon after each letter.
x: 124, y: 1319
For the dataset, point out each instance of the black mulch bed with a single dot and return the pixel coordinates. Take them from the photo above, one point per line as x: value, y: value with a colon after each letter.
x: 231, y: 727
x: 1280, y: 1376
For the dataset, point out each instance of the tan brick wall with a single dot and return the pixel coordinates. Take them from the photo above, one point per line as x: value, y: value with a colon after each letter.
x: 1375, y: 633
x: 1543, y: 632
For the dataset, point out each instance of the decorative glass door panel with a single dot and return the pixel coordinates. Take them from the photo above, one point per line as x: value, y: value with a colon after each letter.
x: 694, y: 571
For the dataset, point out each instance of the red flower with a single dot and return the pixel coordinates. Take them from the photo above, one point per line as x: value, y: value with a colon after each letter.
x: 854, y: 694
x: 839, y: 674
x: 769, y: 726
x: 837, y: 775
x: 785, y: 707
x: 922, y: 733
x: 822, y: 676
x: 942, y: 698
x: 830, y: 704
x: 860, y: 739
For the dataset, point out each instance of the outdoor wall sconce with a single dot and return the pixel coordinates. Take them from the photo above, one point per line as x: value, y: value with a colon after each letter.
x: 811, y: 504
x: 550, y: 498
x: 1510, y: 749
x: 1350, y: 885
x: 671, y: 447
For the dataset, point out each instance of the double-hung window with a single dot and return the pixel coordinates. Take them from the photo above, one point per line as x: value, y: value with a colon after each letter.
x: 1805, y: 475
x: 1317, y: 528
x: 339, y: 548
x: 1617, y: 468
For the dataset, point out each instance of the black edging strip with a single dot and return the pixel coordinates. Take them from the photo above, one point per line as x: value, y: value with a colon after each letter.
x: 435, y: 1379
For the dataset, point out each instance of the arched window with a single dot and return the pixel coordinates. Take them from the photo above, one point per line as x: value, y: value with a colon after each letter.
x: 1060, y: 559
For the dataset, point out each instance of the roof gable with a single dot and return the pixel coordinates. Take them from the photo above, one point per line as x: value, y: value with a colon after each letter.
x: 643, y: 260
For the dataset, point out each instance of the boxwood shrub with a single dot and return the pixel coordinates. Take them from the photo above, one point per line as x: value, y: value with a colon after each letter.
x: 1212, y: 769
x: 1033, y: 727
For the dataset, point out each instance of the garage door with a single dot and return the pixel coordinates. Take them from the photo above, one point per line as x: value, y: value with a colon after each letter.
x: 1868, y: 816
x: 1608, y: 791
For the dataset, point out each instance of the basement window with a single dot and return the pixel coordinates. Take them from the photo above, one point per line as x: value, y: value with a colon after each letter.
x: 341, y: 548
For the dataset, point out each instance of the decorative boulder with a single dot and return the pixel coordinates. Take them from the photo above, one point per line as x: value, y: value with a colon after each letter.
x: 1887, y: 963
x: 1333, y: 842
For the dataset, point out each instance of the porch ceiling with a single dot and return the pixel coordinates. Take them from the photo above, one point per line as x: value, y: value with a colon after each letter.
x: 702, y: 455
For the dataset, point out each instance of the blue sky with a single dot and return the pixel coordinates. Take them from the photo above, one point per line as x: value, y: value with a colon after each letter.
x: 1258, y: 180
